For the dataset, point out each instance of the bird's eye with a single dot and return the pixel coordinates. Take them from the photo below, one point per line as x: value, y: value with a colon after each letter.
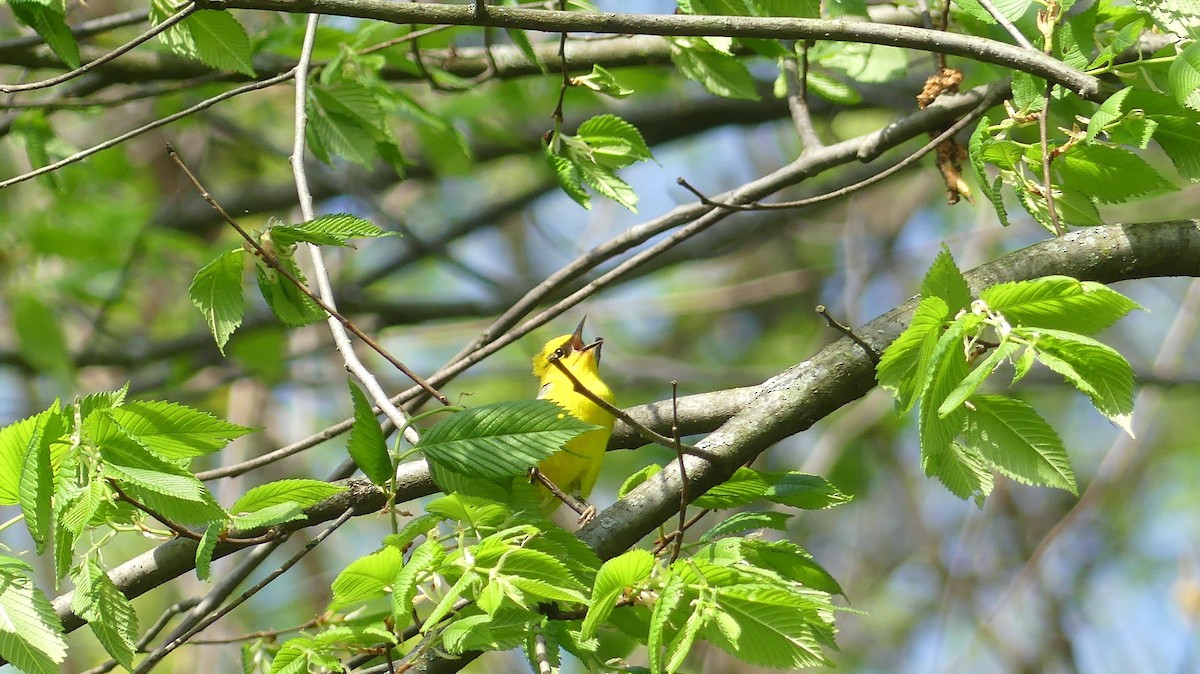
x: 560, y: 352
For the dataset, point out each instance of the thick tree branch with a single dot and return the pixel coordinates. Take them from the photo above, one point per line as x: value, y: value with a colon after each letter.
x: 783, y: 405
x: 968, y: 46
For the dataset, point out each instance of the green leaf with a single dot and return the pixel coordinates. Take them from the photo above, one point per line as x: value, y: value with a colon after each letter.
x: 36, y: 484
x: 743, y: 487
x: 521, y: 40
x: 1108, y: 174
x: 500, y: 441
x: 801, y: 490
x: 48, y: 20
x: 1181, y: 17
x: 1107, y: 114
x: 720, y: 73
x: 624, y: 571
x: 1058, y: 302
x: 866, y: 63
x: 833, y: 90
x: 217, y: 293
x: 966, y: 388
x: 404, y: 586
x: 980, y: 140
x: 569, y: 178
x: 614, y: 142
x: 287, y: 302
x: 219, y: 41
x: 1179, y: 138
x: 636, y: 479
x: 1010, y: 435
x: 669, y: 598
x: 789, y: 561
x: 334, y: 229
x: 204, y: 551
x: 1095, y: 369
x: 367, y: 446
x: 904, y: 363
x: 40, y: 339
x: 366, y: 578
x: 31, y: 636
x: 15, y: 441
x: 602, y: 81
x: 945, y: 281
x: 747, y: 521
x: 175, y: 431
x: 267, y: 517
x: 304, y: 493
x: 948, y: 367
x: 1076, y: 209
x: 107, y: 611
x: 776, y: 628
x: 127, y: 461
x: 335, y: 127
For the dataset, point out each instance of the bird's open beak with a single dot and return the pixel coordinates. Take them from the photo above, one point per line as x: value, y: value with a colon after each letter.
x: 577, y: 336
x: 578, y: 344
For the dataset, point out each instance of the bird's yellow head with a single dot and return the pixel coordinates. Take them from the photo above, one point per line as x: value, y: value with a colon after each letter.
x: 578, y: 357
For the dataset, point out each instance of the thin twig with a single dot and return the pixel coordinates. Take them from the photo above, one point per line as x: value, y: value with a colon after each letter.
x: 647, y: 434
x: 796, y: 78
x: 272, y: 262
x: 320, y: 272
x: 1047, y: 19
x: 683, y: 477
x: 262, y: 634
x: 944, y: 27
x: 162, y: 651
x: 182, y: 531
x: 1006, y: 24
x: 841, y: 192
x: 72, y: 74
x: 557, y: 115
x: 582, y: 509
x: 845, y: 330
x: 113, y: 142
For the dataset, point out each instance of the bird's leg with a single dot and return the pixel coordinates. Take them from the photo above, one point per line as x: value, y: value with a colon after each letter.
x: 586, y: 511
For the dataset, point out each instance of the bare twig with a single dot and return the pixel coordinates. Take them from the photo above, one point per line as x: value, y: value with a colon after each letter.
x: 70, y: 75
x: 182, y: 531
x: 557, y: 115
x: 796, y: 78
x: 1047, y: 19
x: 683, y: 487
x: 162, y: 651
x: 1005, y: 23
x: 845, y: 330
x: 113, y: 142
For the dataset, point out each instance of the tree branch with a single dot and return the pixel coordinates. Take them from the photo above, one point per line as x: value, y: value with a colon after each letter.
x: 969, y: 46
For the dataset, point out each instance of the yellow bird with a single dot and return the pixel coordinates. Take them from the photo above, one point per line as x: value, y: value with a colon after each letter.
x: 575, y: 467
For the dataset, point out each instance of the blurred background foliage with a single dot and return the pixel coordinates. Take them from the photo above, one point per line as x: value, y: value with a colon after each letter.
x: 1034, y: 581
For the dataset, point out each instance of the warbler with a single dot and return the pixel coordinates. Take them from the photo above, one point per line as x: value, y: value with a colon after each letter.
x: 574, y: 468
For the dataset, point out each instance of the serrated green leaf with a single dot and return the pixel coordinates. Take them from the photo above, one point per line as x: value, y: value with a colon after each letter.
x: 539, y: 575
x: 475, y: 512
x: 598, y: 176
x: 1058, y: 302
x: 500, y: 441
x: 789, y: 561
x: 967, y: 387
x: 746, y: 521
x: 902, y: 367
x: 614, y: 577
x: 204, y: 551
x: 31, y: 635
x: 1181, y: 17
x: 801, y: 490
x: 220, y: 41
x: 217, y: 293
x: 36, y: 484
x: 287, y: 302
x: 1108, y: 174
x: 174, y: 431
x: 742, y: 488
x: 1076, y: 209
x: 404, y: 586
x: 107, y: 611
x: 1096, y: 369
x: 614, y: 143
x: 40, y: 339
x: 367, y: 577
x: 521, y: 39
x: 947, y: 367
x: 669, y: 598
x: 334, y: 229
x: 267, y: 517
x: 633, y: 481
x: 776, y: 628
x: 336, y: 128
x: 14, y: 446
x: 127, y: 461
x: 48, y: 20
x: 1179, y: 138
x: 720, y: 73
x: 945, y: 281
x: 569, y: 178
x: 833, y: 90
x: 304, y: 493
x: 1107, y: 114
x: 1014, y: 438
x: 979, y: 142
x: 367, y: 445
x: 602, y: 81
